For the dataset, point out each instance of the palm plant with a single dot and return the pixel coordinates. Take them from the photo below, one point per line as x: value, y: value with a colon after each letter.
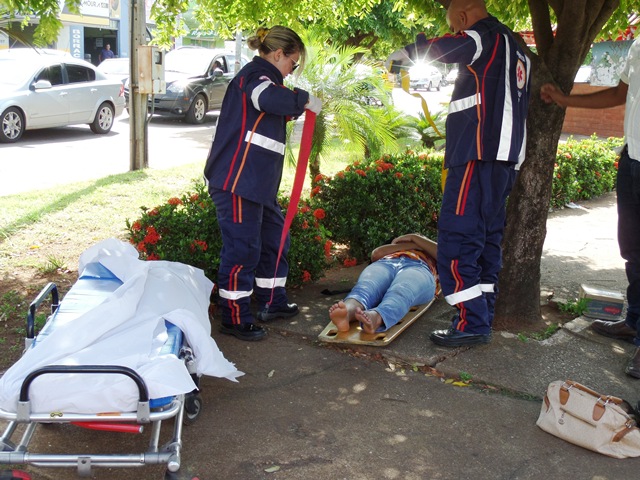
x: 356, y: 100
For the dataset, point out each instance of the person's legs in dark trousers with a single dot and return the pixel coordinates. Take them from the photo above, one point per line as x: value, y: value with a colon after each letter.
x: 490, y: 260
x: 628, y: 191
x: 239, y: 221
x: 267, y: 278
x: 628, y: 201
x: 472, y: 208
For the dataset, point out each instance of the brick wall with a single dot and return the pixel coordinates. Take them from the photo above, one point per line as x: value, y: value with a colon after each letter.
x: 607, y: 122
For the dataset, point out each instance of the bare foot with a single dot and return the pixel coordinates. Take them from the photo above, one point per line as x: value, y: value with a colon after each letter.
x: 342, y: 313
x: 370, y: 320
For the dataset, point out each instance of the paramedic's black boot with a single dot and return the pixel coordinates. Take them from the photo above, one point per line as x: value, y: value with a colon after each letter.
x: 619, y: 330
x: 284, y: 311
x: 633, y: 367
x: 245, y: 331
x: 456, y: 338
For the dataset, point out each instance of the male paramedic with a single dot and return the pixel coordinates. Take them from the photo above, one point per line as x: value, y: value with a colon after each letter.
x: 485, y: 145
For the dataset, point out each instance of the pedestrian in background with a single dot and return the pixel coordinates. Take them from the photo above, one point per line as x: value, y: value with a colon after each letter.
x: 485, y: 145
x: 243, y: 171
x: 106, y: 53
x: 627, y: 189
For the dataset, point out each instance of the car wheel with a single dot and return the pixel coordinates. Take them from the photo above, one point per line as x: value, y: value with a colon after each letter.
x: 104, y: 119
x: 438, y: 87
x: 429, y: 87
x: 11, y: 125
x: 197, y: 110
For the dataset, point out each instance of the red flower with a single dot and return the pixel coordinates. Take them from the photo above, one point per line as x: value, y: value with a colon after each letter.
x: 306, y: 276
x: 141, y: 247
x: 153, y: 256
x: 340, y: 174
x: 305, y: 225
x: 174, y: 201
x: 327, y: 247
x: 201, y: 244
x: 152, y: 236
x: 194, y: 198
x: 350, y: 262
x: 153, y: 212
x: 568, y: 155
x: 319, y: 213
x: 136, y: 226
x: 318, y: 178
x: 615, y: 164
x: 379, y: 168
x: 398, y: 175
x: 305, y: 208
x: 314, y: 192
x: 362, y: 173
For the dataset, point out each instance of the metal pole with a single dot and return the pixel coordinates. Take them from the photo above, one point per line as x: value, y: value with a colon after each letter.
x: 238, y: 65
x: 137, y: 101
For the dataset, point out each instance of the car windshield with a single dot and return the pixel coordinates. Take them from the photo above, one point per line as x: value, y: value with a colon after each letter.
x: 117, y: 67
x: 192, y: 62
x: 421, y: 70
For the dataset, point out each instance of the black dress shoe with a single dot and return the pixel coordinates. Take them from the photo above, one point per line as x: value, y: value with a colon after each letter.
x: 633, y: 367
x: 456, y: 338
x: 245, y: 331
x: 619, y: 330
x: 284, y: 311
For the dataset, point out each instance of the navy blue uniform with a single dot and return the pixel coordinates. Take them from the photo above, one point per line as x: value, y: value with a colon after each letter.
x: 243, y: 172
x: 485, y: 144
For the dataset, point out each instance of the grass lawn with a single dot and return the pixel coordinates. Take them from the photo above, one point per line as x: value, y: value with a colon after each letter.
x: 43, y: 233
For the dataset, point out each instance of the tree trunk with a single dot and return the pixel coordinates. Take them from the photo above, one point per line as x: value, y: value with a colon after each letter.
x: 559, y: 57
x: 519, y: 285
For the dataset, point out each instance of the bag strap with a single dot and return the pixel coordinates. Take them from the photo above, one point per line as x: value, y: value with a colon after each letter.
x: 301, y: 170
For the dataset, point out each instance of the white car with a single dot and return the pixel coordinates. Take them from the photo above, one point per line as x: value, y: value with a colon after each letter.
x: 425, y: 76
x: 40, y: 89
x: 115, y: 68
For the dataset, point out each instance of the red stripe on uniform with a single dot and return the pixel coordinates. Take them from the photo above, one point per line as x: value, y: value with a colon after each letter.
x: 240, y: 137
x: 484, y: 77
x: 467, y: 185
x: 233, y: 286
x: 462, y: 311
x: 463, y: 194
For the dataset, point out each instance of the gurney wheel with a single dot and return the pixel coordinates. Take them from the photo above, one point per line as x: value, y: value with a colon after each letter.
x: 192, y: 408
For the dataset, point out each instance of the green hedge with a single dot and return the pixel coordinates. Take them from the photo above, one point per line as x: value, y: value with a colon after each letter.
x: 360, y: 207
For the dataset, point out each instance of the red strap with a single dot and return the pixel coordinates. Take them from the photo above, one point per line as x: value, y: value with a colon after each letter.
x: 301, y: 171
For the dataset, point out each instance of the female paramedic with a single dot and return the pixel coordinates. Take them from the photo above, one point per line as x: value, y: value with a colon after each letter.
x: 243, y: 172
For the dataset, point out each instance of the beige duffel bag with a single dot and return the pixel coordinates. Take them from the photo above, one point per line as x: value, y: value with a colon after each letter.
x: 581, y: 416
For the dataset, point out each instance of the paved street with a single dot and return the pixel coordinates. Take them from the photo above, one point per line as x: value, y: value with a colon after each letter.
x: 56, y: 156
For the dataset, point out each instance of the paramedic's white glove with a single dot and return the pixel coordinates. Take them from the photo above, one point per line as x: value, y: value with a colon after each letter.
x: 314, y: 104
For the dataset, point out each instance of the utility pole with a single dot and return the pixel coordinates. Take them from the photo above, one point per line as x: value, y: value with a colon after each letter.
x: 238, y: 64
x: 137, y: 101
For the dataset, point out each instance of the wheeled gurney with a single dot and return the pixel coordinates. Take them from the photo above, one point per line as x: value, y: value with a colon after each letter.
x: 48, y: 387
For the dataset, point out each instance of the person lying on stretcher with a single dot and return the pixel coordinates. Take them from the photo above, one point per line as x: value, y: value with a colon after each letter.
x: 402, y: 274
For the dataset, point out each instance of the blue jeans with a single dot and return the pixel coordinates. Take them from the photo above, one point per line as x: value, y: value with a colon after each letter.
x: 391, y: 287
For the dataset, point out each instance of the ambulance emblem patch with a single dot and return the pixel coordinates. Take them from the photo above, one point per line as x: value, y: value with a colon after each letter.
x: 521, y: 74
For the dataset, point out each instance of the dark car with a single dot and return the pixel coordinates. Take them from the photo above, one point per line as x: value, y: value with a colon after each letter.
x: 196, y: 79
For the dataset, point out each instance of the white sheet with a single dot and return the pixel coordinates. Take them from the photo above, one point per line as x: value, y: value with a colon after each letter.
x: 126, y: 329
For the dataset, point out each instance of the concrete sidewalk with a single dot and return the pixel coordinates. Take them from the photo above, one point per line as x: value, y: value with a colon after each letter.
x: 306, y: 410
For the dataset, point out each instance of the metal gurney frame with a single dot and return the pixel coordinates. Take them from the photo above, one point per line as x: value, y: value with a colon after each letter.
x: 184, y: 408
